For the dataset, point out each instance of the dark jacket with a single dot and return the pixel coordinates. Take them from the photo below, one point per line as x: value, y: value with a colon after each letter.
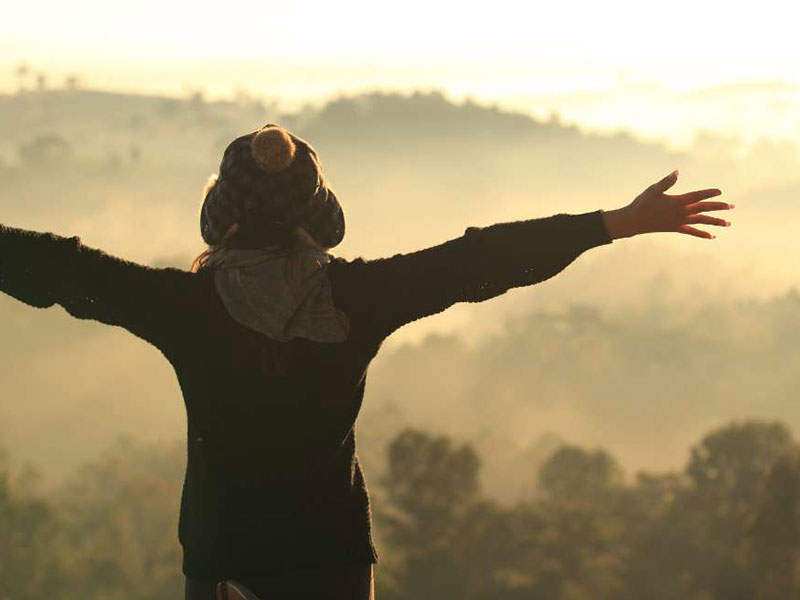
x: 272, y: 477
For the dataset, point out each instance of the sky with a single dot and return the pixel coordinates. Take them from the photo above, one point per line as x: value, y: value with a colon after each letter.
x: 614, y: 64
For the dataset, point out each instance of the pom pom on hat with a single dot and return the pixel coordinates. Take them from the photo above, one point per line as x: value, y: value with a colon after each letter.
x: 273, y: 149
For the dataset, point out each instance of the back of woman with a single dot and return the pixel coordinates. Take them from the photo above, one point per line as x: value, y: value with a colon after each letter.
x: 272, y: 477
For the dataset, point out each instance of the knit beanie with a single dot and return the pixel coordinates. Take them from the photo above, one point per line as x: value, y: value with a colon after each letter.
x: 269, y: 182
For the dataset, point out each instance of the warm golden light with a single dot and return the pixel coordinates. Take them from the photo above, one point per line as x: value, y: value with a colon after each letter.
x: 627, y: 428
x: 659, y: 71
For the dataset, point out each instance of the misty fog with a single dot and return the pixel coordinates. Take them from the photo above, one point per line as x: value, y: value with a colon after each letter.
x: 638, y: 347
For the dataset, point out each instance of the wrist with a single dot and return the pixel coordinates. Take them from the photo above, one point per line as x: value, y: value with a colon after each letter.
x: 619, y: 223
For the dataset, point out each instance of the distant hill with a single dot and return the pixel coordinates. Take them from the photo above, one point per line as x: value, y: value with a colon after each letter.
x: 408, y: 168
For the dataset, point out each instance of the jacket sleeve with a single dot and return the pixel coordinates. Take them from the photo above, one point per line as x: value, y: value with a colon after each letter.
x: 42, y: 269
x: 481, y: 264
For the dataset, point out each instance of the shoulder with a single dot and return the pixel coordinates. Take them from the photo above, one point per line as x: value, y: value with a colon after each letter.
x: 353, y: 290
x: 344, y: 274
x: 195, y: 282
x: 357, y: 275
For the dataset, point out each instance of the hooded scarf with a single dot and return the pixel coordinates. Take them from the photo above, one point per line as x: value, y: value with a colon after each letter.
x: 282, y: 294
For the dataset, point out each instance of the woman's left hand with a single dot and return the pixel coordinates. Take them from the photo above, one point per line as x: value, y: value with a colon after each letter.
x: 654, y: 210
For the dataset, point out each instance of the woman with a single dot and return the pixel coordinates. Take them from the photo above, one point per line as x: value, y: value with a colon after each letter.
x: 270, y: 337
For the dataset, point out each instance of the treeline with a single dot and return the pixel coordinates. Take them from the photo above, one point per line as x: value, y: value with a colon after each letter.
x: 109, y: 533
x: 725, y: 526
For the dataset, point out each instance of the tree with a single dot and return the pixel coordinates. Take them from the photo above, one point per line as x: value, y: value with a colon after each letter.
x: 430, y: 479
x: 44, y: 149
x: 583, y: 523
x: 730, y: 466
x: 698, y: 548
x: 28, y: 528
x: 22, y: 72
x: 72, y: 82
x: 573, y: 474
x: 120, y: 518
x: 775, y: 535
x: 432, y: 485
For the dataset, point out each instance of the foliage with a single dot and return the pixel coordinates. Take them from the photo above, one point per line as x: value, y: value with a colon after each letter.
x: 110, y: 533
x: 43, y: 150
x: 28, y: 567
x: 726, y: 526
x: 715, y: 530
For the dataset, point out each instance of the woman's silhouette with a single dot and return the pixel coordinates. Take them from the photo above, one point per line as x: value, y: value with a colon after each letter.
x: 270, y: 337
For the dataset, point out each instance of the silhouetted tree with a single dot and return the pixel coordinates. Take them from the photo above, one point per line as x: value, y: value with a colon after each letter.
x: 22, y: 71
x: 698, y: 547
x: 28, y: 529
x: 431, y: 485
x: 119, y: 524
x: 573, y: 474
x: 775, y: 536
x: 72, y: 82
x: 44, y: 149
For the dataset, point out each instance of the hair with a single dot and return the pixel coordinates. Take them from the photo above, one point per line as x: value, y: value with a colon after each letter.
x: 300, y: 239
x: 201, y: 260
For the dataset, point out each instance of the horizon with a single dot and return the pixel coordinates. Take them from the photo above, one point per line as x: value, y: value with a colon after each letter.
x: 649, y: 112
x: 650, y: 75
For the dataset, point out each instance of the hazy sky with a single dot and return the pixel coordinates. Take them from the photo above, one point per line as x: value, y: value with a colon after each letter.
x: 619, y: 60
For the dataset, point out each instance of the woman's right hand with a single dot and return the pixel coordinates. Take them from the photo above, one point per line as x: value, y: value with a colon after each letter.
x: 654, y: 210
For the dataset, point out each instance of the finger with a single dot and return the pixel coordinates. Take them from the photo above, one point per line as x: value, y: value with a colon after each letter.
x: 696, y: 196
x: 667, y: 182
x: 699, y: 207
x: 689, y: 230
x: 706, y: 220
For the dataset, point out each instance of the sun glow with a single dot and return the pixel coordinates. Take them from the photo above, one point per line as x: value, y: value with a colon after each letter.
x: 603, y: 65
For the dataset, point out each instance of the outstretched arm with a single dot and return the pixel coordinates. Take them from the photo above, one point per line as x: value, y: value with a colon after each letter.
x: 485, y: 262
x: 42, y: 269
